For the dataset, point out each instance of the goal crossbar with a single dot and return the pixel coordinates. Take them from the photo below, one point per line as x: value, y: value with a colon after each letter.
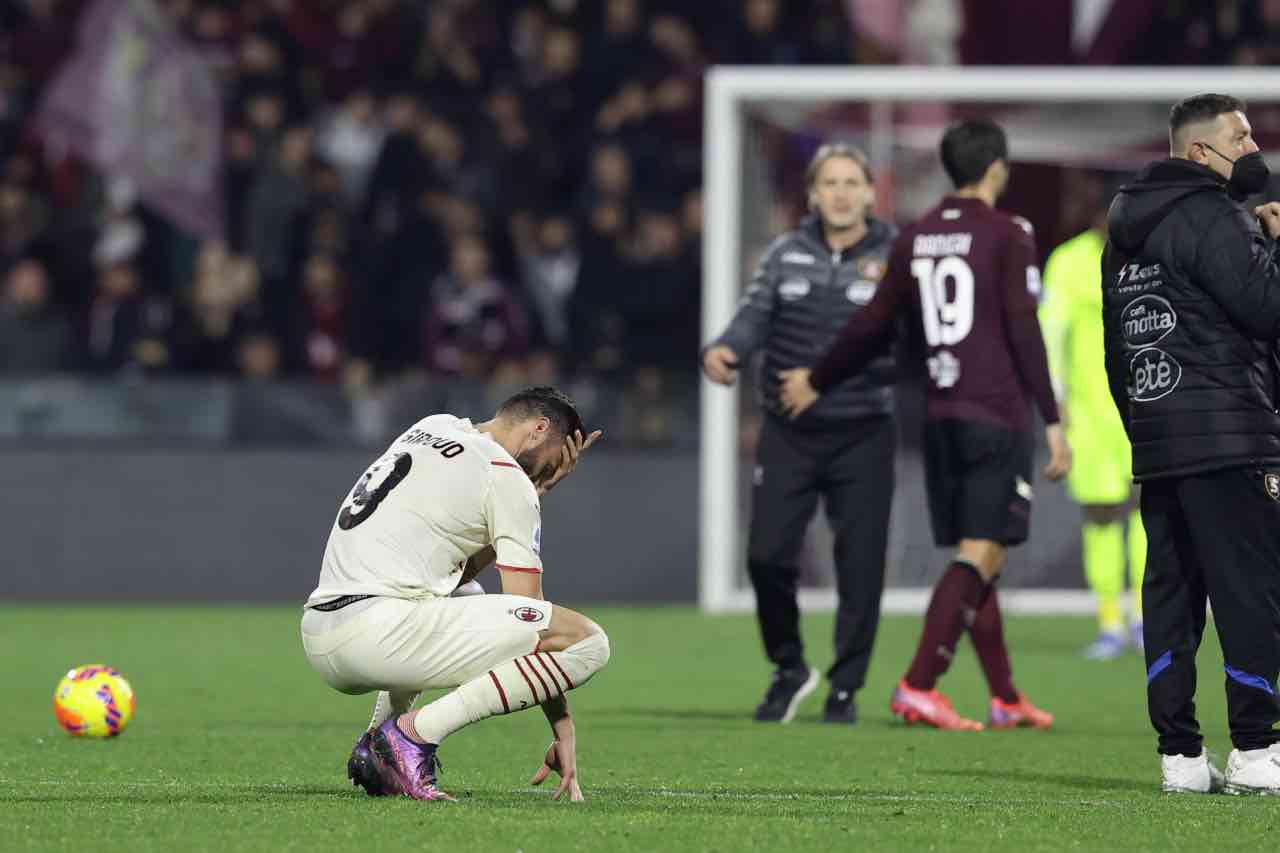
x: 728, y: 90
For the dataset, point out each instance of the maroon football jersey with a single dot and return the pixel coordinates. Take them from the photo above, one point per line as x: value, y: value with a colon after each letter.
x: 966, y: 275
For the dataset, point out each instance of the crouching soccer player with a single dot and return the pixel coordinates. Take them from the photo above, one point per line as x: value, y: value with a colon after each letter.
x: 445, y: 500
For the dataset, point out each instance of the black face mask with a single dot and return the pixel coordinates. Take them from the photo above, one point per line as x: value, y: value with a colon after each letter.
x: 1249, y: 174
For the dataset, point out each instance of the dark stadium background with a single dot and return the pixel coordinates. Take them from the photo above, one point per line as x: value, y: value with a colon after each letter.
x: 420, y: 206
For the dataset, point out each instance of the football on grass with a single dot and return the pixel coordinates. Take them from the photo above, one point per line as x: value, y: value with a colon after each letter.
x: 94, y: 701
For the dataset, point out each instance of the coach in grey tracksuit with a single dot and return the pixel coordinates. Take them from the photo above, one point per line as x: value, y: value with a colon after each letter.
x: 808, y: 283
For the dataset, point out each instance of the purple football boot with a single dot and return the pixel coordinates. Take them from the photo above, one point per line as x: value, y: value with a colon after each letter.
x: 364, y: 769
x: 411, y: 765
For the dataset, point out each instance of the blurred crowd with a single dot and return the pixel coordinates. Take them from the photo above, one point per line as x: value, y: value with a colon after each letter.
x: 1214, y: 32
x: 501, y: 190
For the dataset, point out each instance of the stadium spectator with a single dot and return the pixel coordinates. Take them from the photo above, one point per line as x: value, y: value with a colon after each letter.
x: 758, y: 37
x: 258, y: 356
x: 474, y: 323
x: 221, y: 306
x: 124, y: 329
x: 594, y: 315
x: 277, y: 201
x: 24, y: 214
x: 35, y: 337
x: 350, y: 140
x: 549, y: 266
x: 658, y: 298
x: 319, y: 336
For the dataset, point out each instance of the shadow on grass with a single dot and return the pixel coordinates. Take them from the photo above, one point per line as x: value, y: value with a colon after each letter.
x: 676, y: 714
x: 812, y: 718
x: 166, y: 795
x: 1066, y: 780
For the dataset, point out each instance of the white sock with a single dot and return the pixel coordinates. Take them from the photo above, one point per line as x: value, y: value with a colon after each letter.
x: 518, y: 684
x: 390, y: 705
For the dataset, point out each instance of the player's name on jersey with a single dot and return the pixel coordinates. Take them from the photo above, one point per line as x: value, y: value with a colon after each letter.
x: 937, y: 245
x: 448, y: 447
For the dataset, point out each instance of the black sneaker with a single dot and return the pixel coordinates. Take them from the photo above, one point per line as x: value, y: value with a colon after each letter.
x: 840, y: 708
x: 788, y: 689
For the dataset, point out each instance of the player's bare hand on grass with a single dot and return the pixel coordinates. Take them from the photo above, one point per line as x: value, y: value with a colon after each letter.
x: 1269, y: 217
x: 574, y: 445
x: 561, y: 758
x: 721, y: 365
x: 1059, y: 452
x: 795, y: 392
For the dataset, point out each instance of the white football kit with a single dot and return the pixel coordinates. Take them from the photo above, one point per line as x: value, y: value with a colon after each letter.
x: 441, y: 493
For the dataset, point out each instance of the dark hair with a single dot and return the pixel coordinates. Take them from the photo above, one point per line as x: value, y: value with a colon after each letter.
x: 832, y: 150
x: 544, y: 402
x: 1199, y: 108
x: 969, y: 148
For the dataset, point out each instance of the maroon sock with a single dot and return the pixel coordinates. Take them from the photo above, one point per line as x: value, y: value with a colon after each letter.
x: 955, y: 597
x: 987, y: 633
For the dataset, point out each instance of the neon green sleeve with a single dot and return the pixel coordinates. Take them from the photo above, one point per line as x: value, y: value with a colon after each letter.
x: 1055, y: 317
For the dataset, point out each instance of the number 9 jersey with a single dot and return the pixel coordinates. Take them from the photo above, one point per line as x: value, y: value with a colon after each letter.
x: 442, y: 492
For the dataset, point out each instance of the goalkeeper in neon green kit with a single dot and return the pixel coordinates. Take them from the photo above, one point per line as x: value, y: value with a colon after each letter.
x: 1101, y: 479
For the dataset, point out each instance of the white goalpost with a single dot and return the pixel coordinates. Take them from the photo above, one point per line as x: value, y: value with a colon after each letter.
x: 728, y: 92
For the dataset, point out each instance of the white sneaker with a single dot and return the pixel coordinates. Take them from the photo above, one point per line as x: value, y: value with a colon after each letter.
x: 1183, y: 775
x: 1254, y: 771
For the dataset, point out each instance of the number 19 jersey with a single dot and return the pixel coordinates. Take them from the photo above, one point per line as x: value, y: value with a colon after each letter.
x: 442, y: 492
x: 971, y: 271
x: 966, y: 275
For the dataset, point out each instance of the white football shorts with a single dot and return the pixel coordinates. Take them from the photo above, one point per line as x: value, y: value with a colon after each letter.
x: 400, y: 644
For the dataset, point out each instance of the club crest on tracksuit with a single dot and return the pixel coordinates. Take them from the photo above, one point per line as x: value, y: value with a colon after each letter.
x: 1271, y: 482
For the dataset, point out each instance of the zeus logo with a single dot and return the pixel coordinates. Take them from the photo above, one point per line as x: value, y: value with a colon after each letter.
x: 1137, y: 272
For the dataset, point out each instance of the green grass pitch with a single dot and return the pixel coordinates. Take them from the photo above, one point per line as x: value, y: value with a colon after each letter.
x: 239, y: 746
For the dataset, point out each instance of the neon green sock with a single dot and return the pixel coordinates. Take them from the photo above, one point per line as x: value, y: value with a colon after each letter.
x: 1137, y: 560
x: 1104, y: 570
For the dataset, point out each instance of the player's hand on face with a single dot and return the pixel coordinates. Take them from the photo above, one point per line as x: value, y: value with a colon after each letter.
x: 1059, y: 452
x: 795, y: 392
x: 720, y: 364
x: 562, y: 758
x: 1269, y: 217
x: 572, y: 448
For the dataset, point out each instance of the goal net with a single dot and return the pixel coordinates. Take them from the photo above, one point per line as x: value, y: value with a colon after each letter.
x: 1073, y: 133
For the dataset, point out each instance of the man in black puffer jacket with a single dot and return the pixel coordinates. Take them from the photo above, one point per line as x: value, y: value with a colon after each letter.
x: 808, y: 284
x: 1191, y: 310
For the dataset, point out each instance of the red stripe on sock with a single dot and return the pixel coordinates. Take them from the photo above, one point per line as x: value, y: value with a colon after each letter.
x: 506, y: 709
x: 504, y: 464
x: 539, y: 677
x: 550, y: 675
x: 527, y: 681
x: 529, y: 570
x: 562, y: 672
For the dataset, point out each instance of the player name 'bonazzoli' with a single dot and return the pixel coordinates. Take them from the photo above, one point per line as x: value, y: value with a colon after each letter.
x: 937, y: 245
